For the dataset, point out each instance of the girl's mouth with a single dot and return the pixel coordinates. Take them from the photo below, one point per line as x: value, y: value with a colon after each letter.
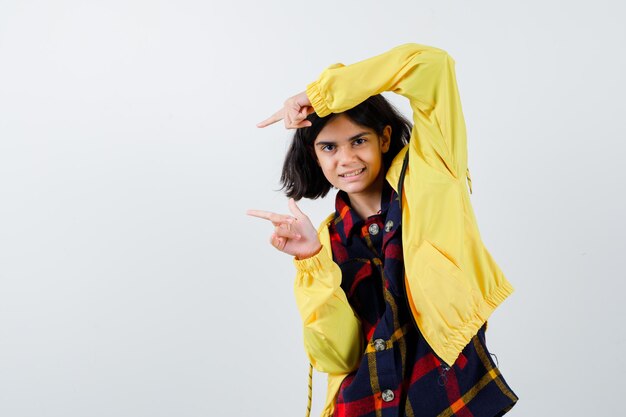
x: 352, y: 173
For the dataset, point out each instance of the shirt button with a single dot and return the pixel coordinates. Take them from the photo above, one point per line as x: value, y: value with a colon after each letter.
x: 379, y: 345
x: 389, y: 225
x: 388, y: 395
x: 374, y: 229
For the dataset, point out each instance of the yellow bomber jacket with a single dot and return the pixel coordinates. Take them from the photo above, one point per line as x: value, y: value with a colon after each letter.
x: 452, y: 282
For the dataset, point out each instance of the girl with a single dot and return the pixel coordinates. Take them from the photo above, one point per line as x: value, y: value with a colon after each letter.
x: 396, y: 286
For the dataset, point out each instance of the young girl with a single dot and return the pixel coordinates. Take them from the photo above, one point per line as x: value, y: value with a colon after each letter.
x: 396, y: 286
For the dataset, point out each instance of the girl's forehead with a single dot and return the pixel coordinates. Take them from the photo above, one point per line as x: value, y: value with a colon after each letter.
x: 341, y: 128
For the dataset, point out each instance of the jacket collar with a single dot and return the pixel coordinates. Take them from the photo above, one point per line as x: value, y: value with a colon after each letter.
x: 393, y: 173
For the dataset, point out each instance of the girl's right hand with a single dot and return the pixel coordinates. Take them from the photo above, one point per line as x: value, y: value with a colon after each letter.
x: 294, y: 112
x: 294, y: 235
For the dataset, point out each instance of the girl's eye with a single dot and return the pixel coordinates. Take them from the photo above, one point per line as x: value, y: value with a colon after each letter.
x: 359, y: 141
x: 328, y: 148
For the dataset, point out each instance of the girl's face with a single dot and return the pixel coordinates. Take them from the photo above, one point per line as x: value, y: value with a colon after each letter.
x: 351, y: 155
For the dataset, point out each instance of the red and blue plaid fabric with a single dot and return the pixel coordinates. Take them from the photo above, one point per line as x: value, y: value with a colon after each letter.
x: 399, y: 374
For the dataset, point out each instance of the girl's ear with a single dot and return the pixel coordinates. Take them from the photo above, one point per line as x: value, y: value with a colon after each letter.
x: 385, y: 139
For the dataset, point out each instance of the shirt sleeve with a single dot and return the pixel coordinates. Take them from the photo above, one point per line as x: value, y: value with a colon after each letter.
x: 332, y: 332
x: 423, y: 74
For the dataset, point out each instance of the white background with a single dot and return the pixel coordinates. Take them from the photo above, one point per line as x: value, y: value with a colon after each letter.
x: 133, y: 284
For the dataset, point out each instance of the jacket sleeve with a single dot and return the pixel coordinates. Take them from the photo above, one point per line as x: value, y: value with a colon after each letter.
x: 332, y: 332
x: 423, y: 74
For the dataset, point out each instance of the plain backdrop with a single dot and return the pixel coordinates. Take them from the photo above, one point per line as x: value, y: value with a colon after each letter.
x: 133, y: 284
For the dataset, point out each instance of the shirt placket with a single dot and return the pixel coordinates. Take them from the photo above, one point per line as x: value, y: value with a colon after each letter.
x: 381, y: 345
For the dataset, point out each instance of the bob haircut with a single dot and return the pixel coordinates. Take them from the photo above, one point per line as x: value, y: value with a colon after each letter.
x: 303, y: 177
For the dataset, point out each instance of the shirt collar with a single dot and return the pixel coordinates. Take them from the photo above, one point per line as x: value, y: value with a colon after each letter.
x: 347, y: 221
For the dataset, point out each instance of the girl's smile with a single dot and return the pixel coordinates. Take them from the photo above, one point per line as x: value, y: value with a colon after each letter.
x: 353, y: 173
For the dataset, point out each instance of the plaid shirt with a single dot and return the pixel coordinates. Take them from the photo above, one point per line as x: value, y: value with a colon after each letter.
x: 399, y: 374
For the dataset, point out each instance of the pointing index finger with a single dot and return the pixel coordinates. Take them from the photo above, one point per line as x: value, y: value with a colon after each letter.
x: 260, y: 214
x: 271, y: 120
x: 268, y: 215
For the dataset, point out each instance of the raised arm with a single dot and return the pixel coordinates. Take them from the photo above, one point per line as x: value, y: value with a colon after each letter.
x: 423, y: 74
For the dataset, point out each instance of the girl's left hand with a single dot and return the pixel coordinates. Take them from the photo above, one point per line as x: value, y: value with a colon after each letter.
x: 295, y: 234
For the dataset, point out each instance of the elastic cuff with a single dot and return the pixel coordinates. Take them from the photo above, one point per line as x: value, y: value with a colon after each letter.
x: 314, y: 263
x: 314, y: 94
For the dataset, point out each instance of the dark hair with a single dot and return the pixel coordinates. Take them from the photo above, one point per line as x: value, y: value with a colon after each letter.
x: 303, y: 177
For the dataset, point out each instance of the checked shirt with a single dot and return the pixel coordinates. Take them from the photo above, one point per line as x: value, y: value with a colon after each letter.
x: 399, y: 374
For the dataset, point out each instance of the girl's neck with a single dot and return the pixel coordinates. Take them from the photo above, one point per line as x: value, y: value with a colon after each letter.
x: 367, y: 204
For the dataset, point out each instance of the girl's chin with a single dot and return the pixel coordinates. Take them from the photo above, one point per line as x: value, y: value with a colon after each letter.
x: 352, y: 189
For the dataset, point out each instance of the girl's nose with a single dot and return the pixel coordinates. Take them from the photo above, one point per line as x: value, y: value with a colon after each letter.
x: 347, y: 155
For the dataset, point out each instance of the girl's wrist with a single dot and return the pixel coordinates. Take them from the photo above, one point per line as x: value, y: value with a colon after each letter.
x: 308, y: 254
